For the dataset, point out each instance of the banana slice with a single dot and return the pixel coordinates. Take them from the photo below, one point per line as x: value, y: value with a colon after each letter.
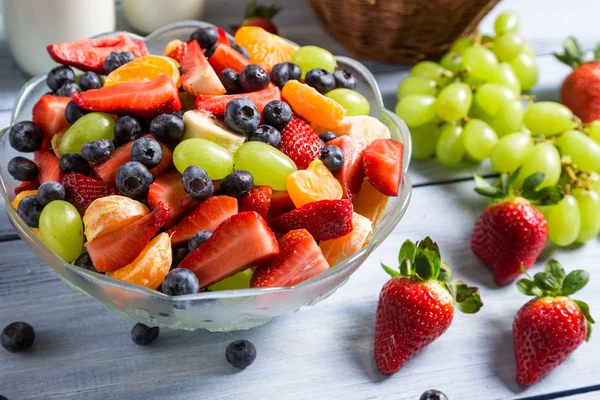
x: 361, y: 127
x: 199, y: 124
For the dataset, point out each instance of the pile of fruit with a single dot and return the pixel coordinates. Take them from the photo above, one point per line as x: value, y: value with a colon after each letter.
x: 215, y: 166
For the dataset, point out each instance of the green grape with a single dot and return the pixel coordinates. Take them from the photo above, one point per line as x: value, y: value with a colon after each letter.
x: 452, y: 62
x: 417, y: 85
x: 491, y: 96
x: 588, y: 202
x: 507, y: 22
x: 594, y: 130
x: 450, y: 149
x: 582, y: 149
x: 241, y: 280
x: 61, y: 229
x: 214, y: 159
x: 267, y: 165
x: 354, y: 102
x: 481, y: 62
x: 508, y: 46
x: 478, y: 113
x: 548, y: 118
x: 424, y: 138
x: 544, y: 157
x: 479, y: 139
x: 505, y: 75
x: 311, y: 57
x: 454, y: 102
x: 509, y: 118
x: 461, y: 45
x: 564, y: 221
x: 595, y: 182
x: 528, y: 50
x: 511, y: 151
x: 429, y: 69
x: 416, y: 109
x: 472, y: 81
x: 485, y: 39
x: 90, y: 127
x: 526, y: 70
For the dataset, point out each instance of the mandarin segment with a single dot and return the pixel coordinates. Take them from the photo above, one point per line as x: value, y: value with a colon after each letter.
x: 145, y: 69
x: 370, y: 202
x: 313, y: 106
x: 337, y: 250
x: 264, y: 46
x: 107, y: 214
x: 313, y: 184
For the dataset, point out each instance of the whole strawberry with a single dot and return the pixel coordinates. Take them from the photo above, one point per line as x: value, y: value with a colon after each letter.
x: 416, y: 306
x: 261, y: 16
x: 511, y: 232
x: 550, y: 327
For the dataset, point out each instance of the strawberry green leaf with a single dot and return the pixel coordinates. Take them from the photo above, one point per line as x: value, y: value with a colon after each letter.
x: 406, y: 267
x: 424, y: 266
x: 589, y: 330
x: 548, y: 196
x: 445, y: 273
x: 546, y: 282
x: 504, y: 183
x: 574, y: 55
x: 575, y: 281
x: 528, y: 287
x: 585, y: 310
x: 513, y: 177
x: 597, y: 52
x: 554, y: 268
x: 485, y: 189
x: 531, y: 183
x: 467, y: 298
x: 393, y: 273
x: 407, y: 251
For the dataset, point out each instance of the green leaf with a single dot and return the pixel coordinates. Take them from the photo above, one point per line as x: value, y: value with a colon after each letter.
x: 504, y: 186
x: 424, y: 267
x: 554, y: 268
x: 406, y: 267
x: 597, y: 52
x: 445, y: 273
x: 485, y: 189
x: 574, y: 55
x: 393, y: 273
x: 513, y: 177
x: 546, y: 282
x: 467, y: 298
x: 531, y: 183
x: 548, y: 196
x: 528, y: 287
x: 575, y: 281
x: 408, y: 251
x: 585, y: 310
x: 589, y: 330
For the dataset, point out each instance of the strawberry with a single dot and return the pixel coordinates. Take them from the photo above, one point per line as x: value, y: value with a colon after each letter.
x: 281, y: 202
x: 300, y: 142
x: 178, y: 53
x: 261, y: 16
x: 81, y: 190
x: 27, y: 185
x: 47, y: 163
x: 239, y: 242
x: 227, y: 57
x: 216, y: 104
x: 119, y: 248
x: 145, y: 99
x: 382, y: 165
x: 548, y: 329
x: 207, y: 215
x: 223, y: 39
x: 258, y: 199
x: 324, y: 219
x: 168, y: 189
x: 198, y: 76
x: 416, y: 306
x: 49, y: 115
x: 89, y: 54
x: 299, y: 258
x: 351, y: 175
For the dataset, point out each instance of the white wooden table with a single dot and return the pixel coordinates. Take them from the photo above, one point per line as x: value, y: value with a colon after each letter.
x: 83, y: 351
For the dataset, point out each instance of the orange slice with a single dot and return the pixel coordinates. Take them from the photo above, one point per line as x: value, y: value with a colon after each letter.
x: 107, y: 214
x: 312, y: 105
x: 264, y: 46
x: 20, y: 196
x: 171, y: 46
x: 313, y: 184
x: 370, y: 202
x: 145, y: 69
x: 336, y: 250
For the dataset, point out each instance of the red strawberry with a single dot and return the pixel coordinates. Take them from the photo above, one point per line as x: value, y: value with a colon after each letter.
x: 198, y: 76
x: 227, y: 57
x: 47, y: 163
x: 324, y: 219
x: 118, y: 248
x: 239, y: 242
x: 49, y: 115
x: 261, y: 16
x: 207, y: 215
x: 281, y: 202
x: 299, y: 258
x: 144, y: 99
x: 178, y: 53
x: 81, y: 190
x: 223, y: 39
x: 168, y: 189
x: 548, y: 329
x: 416, y: 306
x: 216, y: 104
x: 382, y: 164
x: 27, y: 185
x: 258, y: 199
x: 300, y: 142
x: 89, y: 54
x: 351, y: 175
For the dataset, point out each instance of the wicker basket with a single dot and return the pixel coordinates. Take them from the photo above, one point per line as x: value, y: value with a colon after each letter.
x: 403, y: 31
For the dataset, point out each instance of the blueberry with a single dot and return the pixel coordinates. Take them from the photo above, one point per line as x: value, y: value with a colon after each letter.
x: 115, y: 60
x: 89, y: 80
x: 73, y: 162
x: 85, y: 261
x: 241, y: 116
x: 277, y: 113
x: 67, y: 89
x: 266, y: 134
x: 3, y: 398
x: 127, y: 128
x: 58, y: 76
x: 134, y: 179
x: 98, y: 150
x: 17, y: 337
x: 22, y: 169
x: 332, y: 157
x: 198, y: 239
x: 206, y: 37
x: 180, y: 281
x: 284, y: 72
x: 25, y: 136
x: 147, y: 151
x: 50, y: 191
x: 197, y: 183
x: 73, y: 112
x: 327, y: 136
x: 253, y: 78
x: 320, y: 79
x: 29, y: 209
x: 240, y: 50
x: 231, y: 80
x: 433, y: 395
x: 210, y: 51
x: 344, y: 79
x: 322, y: 143
x: 237, y: 184
x: 179, y: 114
x: 240, y: 354
x: 143, y: 335
x: 167, y: 127
x: 178, y: 254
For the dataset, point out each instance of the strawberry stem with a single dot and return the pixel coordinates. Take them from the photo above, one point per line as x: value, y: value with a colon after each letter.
x: 574, y: 55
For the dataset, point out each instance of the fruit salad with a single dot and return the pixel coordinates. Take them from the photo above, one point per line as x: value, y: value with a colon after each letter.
x: 216, y: 165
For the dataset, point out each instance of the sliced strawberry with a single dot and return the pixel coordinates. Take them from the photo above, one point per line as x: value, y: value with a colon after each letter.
x: 81, y: 190
x: 169, y: 189
x: 27, y: 185
x: 89, y: 54
x: 239, y: 242
x: 198, y: 76
x: 351, y: 174
x: 227, y: 57
x: 216, y: 104
x: 49, y: 115
x: 178, y: 53
x: 47, y: 163
x: 300, y: 142
x: 223, y: 39
x: 258, y: 199
x: 145, y: 99
x: 119, y: 248
x: 324, y: 219
x: 382, y: 164
x: 299, y: 258
x: 281, y: 202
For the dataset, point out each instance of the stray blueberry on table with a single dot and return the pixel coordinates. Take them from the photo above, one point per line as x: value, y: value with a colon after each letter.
x: 67, y: 89
x: 433, y: 395
x: 237, y: 184
x: 29, y: 210
x: 231, y: 81
x: 284, y: 72
x: 327, y: 136
x: 25, y: 136
x: 206, y: 37
x: 85, y: 261
x: 133, y: 180
x: 197, y: 183
x: 178, y: 253
x: 332, y: 157
x: 198, y: 239
x: 241, y: 116
x: 253, y: 78
x: 22, y: 169
x: 320, y: 79
x: 147, y: 151
x: 98, y: 150
x: 180, y: 281
x: 73, y: 112
x: 240, y: 354
x: 240, y: 50
x: 167, y: 127
x: 58, y: 76
x: 277, y: 113
x: 18, y: 336
x: 50, y: 191
x: 266, y: 134
x: 344, y: 79
x: 73, y: 162
x: 127, y: 128
x: 143, y: 335
x: 116, y: 59
x: 89, y: 80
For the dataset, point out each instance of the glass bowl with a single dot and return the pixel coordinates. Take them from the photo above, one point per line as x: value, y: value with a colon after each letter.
x: 215, y: 311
